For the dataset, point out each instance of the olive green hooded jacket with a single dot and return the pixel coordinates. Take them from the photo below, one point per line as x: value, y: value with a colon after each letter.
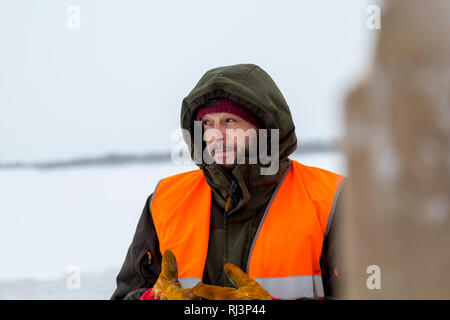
x: 231, y: 233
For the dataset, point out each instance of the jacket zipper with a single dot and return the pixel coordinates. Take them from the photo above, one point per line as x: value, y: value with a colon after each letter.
x: 227, y: 207
x: 230, y: 194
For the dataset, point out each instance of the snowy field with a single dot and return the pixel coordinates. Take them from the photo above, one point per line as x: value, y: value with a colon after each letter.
x: 50, y: 220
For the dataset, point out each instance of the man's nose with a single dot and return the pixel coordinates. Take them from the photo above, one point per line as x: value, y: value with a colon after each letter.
x: 221, y: 131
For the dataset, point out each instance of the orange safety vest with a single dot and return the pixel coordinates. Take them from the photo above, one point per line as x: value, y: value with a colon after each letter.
x: 285, y: 254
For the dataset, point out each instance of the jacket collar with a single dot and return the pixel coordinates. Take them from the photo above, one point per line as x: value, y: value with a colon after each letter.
x: 253, y: 192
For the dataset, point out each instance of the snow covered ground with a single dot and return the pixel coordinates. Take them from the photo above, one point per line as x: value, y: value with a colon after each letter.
x: 85, y: 217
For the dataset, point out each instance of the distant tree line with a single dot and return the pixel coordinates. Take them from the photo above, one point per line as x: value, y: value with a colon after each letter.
x: 149, y: 157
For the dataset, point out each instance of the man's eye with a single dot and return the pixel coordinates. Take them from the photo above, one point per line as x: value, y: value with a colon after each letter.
x: 230, y: 120
x: 206, y: 122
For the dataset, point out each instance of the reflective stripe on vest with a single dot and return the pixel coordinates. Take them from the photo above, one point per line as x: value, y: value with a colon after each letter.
x: 286, y: 250
x: 189, y: 282
x: 293, y: 287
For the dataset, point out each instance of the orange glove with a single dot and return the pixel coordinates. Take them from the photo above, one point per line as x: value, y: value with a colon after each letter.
x: 168, y: 287
x: 247, y: 289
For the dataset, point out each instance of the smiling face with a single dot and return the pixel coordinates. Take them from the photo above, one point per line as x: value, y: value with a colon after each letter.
x: 226, y: 136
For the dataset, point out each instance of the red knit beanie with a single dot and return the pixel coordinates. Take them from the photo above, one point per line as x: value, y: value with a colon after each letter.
x: 226, y: 105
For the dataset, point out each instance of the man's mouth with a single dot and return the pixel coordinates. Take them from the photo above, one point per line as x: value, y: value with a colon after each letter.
x: 223, y: 151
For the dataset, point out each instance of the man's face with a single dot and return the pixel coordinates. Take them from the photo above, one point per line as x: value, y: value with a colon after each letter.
x: 226, y: 136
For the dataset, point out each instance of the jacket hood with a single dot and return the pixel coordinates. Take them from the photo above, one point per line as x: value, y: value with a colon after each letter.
x: 252, y: 88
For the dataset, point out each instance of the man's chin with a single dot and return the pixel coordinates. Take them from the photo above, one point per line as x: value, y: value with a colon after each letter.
x: 225, y: 160
x: 227, y: 165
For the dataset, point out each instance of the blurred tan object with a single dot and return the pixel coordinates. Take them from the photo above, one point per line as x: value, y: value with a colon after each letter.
x: 398, y: 148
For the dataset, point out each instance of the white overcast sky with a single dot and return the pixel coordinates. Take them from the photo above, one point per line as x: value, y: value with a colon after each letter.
x: 116, y: 85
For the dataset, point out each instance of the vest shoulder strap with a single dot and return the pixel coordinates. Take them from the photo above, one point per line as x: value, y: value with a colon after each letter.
x: 323, y: 188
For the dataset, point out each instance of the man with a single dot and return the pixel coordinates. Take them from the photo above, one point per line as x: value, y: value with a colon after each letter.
x: 278, y: 228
